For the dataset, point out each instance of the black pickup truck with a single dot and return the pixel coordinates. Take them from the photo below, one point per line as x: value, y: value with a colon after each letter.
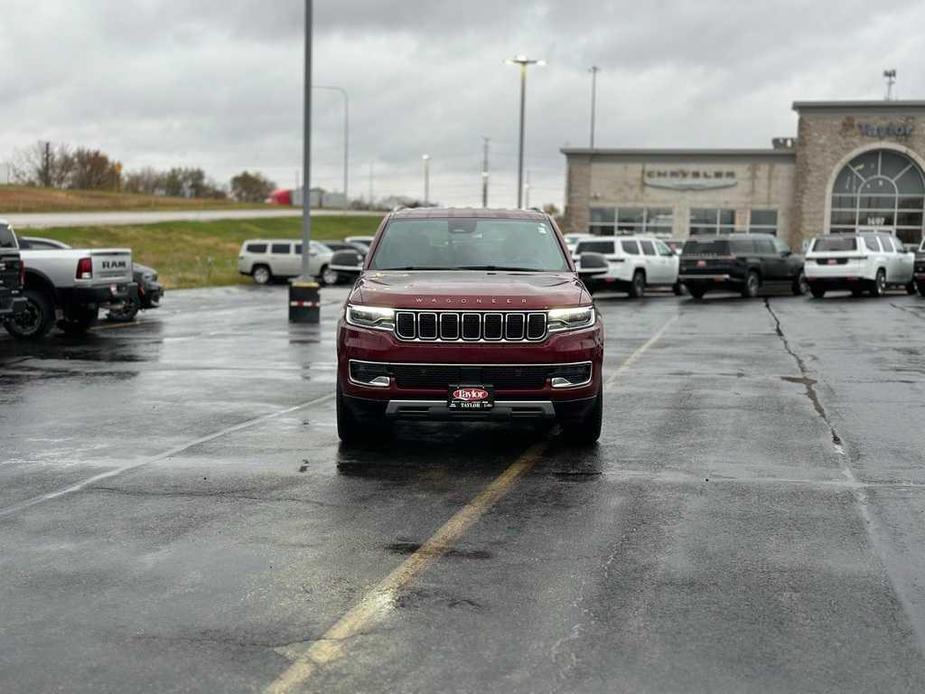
x: 743, y: 263
x: 11, y: 275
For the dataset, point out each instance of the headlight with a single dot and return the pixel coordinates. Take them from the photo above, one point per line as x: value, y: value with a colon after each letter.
x: 371, y: 317
x: 570, y: 318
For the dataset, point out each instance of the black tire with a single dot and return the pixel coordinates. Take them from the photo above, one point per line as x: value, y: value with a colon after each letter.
x: 588, y: 429
x: 878, y: 288
x: 328, y: 277
x: 799, y: 285
x: 35, y: 322
x: 912, y: 288
x: 752, y: 285
x: 261, y: 274
x: 638, y: 285
x: 78, y: 321
x: 817, y: 292
x: 921, y: 289
x: 678, y: 289
x: 696, y: 291
x: 125, y: 313
x: 348, y: 426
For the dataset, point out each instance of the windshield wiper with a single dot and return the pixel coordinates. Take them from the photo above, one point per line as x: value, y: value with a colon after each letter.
x: 501, y: 268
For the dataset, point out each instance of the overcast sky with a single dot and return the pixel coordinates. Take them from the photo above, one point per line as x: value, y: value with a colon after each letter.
x: 218, y: 83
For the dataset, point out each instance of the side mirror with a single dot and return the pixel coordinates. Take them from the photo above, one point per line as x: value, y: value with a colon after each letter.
x: 786, y: 254
x: 590, y: 264
x: 347, y: 263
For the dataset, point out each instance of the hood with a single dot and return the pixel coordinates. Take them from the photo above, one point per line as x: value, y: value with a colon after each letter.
x: 472, y: 290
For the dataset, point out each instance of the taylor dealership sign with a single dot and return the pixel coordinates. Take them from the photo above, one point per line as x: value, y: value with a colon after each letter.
x: 690, y: 179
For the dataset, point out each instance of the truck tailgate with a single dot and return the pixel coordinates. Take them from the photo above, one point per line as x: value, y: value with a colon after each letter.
x: 112, y: 265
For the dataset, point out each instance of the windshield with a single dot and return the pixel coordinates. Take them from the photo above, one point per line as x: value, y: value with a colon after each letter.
x: 469, y: 244
x: 836, y: 243
x: 706, y: 247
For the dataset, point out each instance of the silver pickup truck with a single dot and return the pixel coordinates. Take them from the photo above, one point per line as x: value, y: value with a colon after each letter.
x: 69, y: 287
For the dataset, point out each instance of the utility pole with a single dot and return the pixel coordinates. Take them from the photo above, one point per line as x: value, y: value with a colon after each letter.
x: 890, y: 76
x: 426, y: 160
x: 371, y: 201
x: 46, y: 165
x: 593, y: 70
x: 485, y: 142
x: 527, y: 191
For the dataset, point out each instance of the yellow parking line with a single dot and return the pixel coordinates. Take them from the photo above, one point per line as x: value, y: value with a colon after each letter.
x: 380, y: 599
x: 638, y: 353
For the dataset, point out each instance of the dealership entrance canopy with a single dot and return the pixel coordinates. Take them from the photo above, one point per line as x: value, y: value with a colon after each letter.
x: 853, y: 165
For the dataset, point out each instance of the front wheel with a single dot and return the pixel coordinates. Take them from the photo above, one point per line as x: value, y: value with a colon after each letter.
x: 913, y: 288
x: 36, y: 320
x: 329, y: 276
x: 261, y: 274
x: 678, y: 289
x: 879, y: 286
x: 799, y: 285
x: 752, y: 285
x: 588, y: 429
x: 638, y: 285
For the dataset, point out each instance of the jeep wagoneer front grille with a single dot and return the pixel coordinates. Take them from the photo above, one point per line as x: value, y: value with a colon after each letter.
x: 470, y: 326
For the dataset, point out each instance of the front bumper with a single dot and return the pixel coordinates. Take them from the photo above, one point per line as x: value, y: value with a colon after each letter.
x: 150, y: 294
x: 11, y: 303
x: 505, y: 362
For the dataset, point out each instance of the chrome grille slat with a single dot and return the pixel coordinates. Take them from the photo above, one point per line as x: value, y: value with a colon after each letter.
x: 470, y: 326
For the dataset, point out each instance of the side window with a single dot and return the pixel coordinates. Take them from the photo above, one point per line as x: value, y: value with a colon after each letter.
x: 630, y: 247
x: 764, y: 247
x: 872, y: 244
x: 281, y: 248
x: 887, y: 244
x: 780, y: 246
x: 663, y: 249
x: 256, y: 248
x: 743, y: 247
x: 297, y: 249
x: 647, y: 247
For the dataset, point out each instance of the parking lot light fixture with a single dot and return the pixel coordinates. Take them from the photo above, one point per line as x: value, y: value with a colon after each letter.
x: 524, y: 62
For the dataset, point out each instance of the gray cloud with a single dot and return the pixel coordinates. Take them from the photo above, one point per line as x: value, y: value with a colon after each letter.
x: 218, y: 83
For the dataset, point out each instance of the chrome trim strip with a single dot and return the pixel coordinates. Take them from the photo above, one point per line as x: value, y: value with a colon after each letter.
x: 458, y: 363
x: 543, y: 408
x: 366, y: 384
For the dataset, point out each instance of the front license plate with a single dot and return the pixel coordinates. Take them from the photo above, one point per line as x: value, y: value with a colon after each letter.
x: 832, y: 261
x: 470, y: 398
x: 701, y: 263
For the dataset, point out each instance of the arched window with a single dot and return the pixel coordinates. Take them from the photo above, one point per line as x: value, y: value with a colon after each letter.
x: 883, y: 189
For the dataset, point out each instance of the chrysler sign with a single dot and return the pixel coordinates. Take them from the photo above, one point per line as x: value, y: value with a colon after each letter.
x: 690, y: 179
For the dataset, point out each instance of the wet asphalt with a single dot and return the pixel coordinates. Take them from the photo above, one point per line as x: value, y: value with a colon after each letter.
x: 176, y: 514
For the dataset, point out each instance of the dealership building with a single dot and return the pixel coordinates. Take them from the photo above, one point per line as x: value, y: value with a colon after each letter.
x: 852, y: 165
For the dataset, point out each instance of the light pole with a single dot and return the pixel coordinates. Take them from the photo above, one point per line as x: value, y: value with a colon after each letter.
x: 524, y: 62
x: 594, y: 69
x: 426, y: 159
x: 890, y: 77
x: 343, y: 93
x: 485, y: 173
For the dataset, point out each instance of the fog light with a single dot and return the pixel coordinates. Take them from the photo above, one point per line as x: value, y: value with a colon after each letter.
x: 570, y: 376
x: 368, y: 373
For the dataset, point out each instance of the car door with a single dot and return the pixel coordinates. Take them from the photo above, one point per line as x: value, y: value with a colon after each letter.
x: 771, y: 264
x: 651, y: 262
x: 792, y: 263
x: 282, y: 259
x: 671, y: 261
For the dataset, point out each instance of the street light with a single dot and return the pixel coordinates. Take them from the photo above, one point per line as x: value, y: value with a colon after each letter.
x: 426, y: 159
x: 524, y: 62
x: 343, y: 93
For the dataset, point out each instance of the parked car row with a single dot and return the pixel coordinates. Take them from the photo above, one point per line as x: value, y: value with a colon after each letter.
x: 868, y: 261
x: 45, y: 283
x: 266, y: 260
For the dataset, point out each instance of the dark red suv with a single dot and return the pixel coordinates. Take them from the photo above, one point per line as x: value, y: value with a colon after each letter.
x: 469, y: 314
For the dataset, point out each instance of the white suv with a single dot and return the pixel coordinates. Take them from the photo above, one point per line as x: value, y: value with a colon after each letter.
x: 869, y: 261
x: 266, y: 259
x: 634, y: 263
